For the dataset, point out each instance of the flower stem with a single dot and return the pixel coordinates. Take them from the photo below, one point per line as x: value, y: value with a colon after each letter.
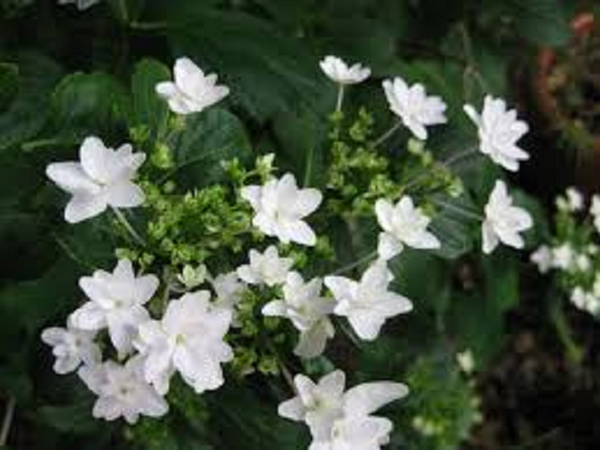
x: 461, y: 211
x: 573, y: 352
x: 125, y: 223
x: 356, y: 263
x: 385, y: 136
x: 7, y: 421
x: 147, y: 26
x: 340, y: 98
x: 457, y: 157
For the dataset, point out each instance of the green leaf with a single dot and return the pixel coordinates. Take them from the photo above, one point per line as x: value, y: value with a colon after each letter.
x: 150, y: 112
x: 542, y: 22
x: 29, y: 111
x: 209, y: 138
x: 9, y: 83
x: 75, y: 419
x: 268, y: 71
x: 86, y: 104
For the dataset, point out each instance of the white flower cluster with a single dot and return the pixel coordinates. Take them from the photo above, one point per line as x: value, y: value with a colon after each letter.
x: 187, y: 336
x: 573, y: 254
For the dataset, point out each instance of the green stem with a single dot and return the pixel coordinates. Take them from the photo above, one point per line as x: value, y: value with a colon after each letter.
x: 148, y: 26
x: 7, y: 421
x: 340, y: 98
x: 356, y: 263
x: 457, y: 157
x: 385, y: 136
x: 463, y: 212
x: 127, y: 226
x: 309, y: 166
x: 573, y: 351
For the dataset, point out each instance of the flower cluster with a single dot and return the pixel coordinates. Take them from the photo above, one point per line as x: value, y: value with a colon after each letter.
x: 194, y: 308
x: 573, y: 253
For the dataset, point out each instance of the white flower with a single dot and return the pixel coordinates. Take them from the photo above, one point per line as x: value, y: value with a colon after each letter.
x: 303, y: 304
x: 71, y: 347
x: 583, y: 262
x: 503, y: 221
x: 122, y: 391
x: 116, y: 302
x: 191, y: 91
x: 228, y: 289
x: 188, y: 339
x: 575, y: 199
x: 499, y: 130
x: 413, y: 106
x: 323, y: 405
x: 595, y: 211
x: 585, y: 301
x: 356, y: 433
x: 563, y: 256
x: 81, y: 4
x: 543, y: 259
x: 402, y: 224
x: 280, y: 207
x: 265, y: 268
x: 466, y: 361
x: 337, y: 70
x: 102, y: 178
x: 367, y: 304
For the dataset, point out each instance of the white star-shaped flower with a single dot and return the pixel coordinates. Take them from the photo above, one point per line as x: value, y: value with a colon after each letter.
x: 325, y: 406
x: 402, y: 224
x: 543, y: 258
x: 563, y: 256
x: 303, y: 304
x: 228, y: 289
x: 356, y: 433
x: 265, y: 268
x: 188, y: 339
x: 338, y: 71
x: 367, y: 303
x: 71, y: 347
x: 117, y: 302
x: 499, y: 130
x: 122, y: 391
x: 102, y: 178
x: 280, y: 207
x: 192, y: 91
x: 503, y: 221
x: 81, y: 4
x: 415, y: 108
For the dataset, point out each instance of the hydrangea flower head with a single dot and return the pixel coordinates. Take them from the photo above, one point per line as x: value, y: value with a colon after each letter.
x: 402, y: 224
x: 415, y: 108
x: 499, y: 130
x: 191, y: 91
x: 122, y: 391
x: 188, y: 339
x: 503, y: 221
x: 303, y: 304
x: 116, y: 302
x: 338, y: 71
x: 102, y: 178
x: 281, y: 207
x: 367, y: 303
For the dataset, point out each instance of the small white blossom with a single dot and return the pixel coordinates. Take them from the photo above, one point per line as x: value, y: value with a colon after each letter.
x: 280, y: 207
x: 337, y: 70
x: 303, y: 304
x: 117, y: 302
x: 575, y: 199
x: 228, y: 289
x: 265, y: 268
x: 325, y: 406
x: 368, y: 303
x: 585, y: 301
x: 102, y: 178
x: 357, y: 433
x: 191, y: 91
x: 81, y: 4
x: 543, y: 259
x: 583, y: 262
x: 188, y: 339
x: 122, y: 391
x: 71, y: 347
x: 466, y: 361
x: 402, y: 224
x: 413, y: 106
x: 503, y: 221
x: 563, y: 256
x: 595, y: 211
x: 499, y: 130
